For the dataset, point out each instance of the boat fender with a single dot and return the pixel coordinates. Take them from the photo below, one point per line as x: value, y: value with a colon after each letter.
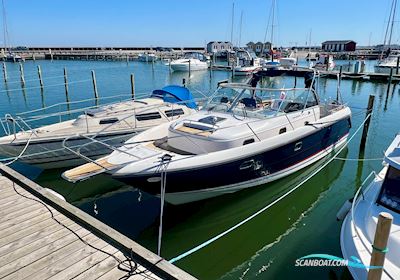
x: 55, y: 193
x: 341, y: 214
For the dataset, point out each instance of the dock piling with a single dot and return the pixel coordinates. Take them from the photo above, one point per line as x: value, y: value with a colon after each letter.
x: 21, y: 71
x: 397, y: 65
x: 366, y: 125
x: 189, y: 68
x: 40, y: 76
x: 5, y: 72
x: 96, y: 95
x: 379, y: 247
x: 66, y: 83
x: 133, y: 86
x: 390, y: 81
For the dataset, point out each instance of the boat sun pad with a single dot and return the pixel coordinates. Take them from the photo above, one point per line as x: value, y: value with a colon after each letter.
x: 88, y: 170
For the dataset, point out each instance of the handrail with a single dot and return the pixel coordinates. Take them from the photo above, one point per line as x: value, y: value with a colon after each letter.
x: 352, y: 210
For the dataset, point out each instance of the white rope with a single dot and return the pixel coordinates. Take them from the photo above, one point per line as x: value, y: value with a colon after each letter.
x: 22, y: 152
x: 204, y: 244
x: 359, y: 159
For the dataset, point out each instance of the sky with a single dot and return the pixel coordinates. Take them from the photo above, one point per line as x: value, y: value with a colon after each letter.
x: 185, y: 23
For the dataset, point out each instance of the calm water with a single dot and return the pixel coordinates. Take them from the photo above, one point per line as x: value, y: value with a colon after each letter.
x: 265, y: 247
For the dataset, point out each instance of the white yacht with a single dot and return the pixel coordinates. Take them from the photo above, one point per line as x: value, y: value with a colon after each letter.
x: 358, y: 229
x: 191, y: 61
x: 147, y: 57
x: 385, y: 65
x: 112, y: 124
x: 244, y: 136
x: 325, y: 62
x: 246, y: 63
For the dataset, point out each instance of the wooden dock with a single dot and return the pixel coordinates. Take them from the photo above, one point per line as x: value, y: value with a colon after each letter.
x: 44, y: 237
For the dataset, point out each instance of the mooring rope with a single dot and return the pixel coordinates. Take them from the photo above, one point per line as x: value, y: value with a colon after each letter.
x: 215, y: 238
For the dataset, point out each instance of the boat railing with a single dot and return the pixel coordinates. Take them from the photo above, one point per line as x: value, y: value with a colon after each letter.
x: 355, y: 201
x: 92, y: 139
x: 30, y: 119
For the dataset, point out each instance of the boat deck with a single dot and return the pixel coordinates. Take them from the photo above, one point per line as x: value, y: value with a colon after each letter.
x: 38, y: 241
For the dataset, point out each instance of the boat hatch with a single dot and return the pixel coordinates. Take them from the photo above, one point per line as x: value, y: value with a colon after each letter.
x: 94, y: 112
x: 199, y: 126
x: 212, y: 120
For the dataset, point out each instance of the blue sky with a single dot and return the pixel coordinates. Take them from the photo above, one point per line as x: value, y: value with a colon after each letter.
x: 191, y: 22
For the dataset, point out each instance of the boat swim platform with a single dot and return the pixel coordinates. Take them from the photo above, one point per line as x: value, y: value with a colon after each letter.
x: 44, y: 237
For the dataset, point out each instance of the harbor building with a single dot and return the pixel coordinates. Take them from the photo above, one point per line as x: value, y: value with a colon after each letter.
x: 339, y: 46
x: 219, y: 46
x: 259, y: 47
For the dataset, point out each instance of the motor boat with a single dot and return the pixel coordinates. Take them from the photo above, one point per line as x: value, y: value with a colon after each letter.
x: 12, y: 57
x: 287, y: 62
x: 385, y: 65
x: 246, y: 63
x: 112, y: 124
x: 147, y: 57
x: 324, y: 62
x: 243, y: 136
x: 358, y: 229
x: 191, y: 61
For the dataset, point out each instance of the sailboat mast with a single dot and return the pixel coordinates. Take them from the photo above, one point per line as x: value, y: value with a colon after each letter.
x: 240, y: 30
x: 233, y: 15
x: 392, y: 23
x: 4, y: 26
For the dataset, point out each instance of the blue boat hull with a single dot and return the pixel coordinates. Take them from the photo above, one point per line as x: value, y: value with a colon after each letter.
x: 248, y: 169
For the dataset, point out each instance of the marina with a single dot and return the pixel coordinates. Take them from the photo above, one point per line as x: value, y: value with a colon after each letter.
x: 149, y: 145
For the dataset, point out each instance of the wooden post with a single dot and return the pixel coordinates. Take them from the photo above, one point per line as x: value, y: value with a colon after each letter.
x: 127, y: 58
x: 184, y: 82
x: 5, y: 72
x: 397, y: 65
x: 380, y: 242
x: 133, y: 86
x: 366, y: 125
x: 40, y: 76
x: 189, y: 68
x: 390, y: 81
x: 21, y: 70
x: 295, y: 81
x: 96, y: 95
x: 66, y: 83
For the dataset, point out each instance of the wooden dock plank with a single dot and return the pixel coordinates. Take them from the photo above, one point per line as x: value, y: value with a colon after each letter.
x: 140, y: 274
x: 76, y: 269
x: 38, y: 254
x: 69, y: 260
x: 45, y: 233
x: 100, y: 268
x: 33, y: 245
x: 59, y: 253
x: 22, y: 232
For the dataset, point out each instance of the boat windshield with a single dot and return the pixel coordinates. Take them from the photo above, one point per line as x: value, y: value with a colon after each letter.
x: 195, y: 55
x: 260, y: 102
x: 390, y: 191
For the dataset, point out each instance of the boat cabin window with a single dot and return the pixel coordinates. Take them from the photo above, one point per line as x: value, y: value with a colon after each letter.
x: 148, y: 116
x: 108, y: 121
x: 174, y: 112
x: 390, y: 191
